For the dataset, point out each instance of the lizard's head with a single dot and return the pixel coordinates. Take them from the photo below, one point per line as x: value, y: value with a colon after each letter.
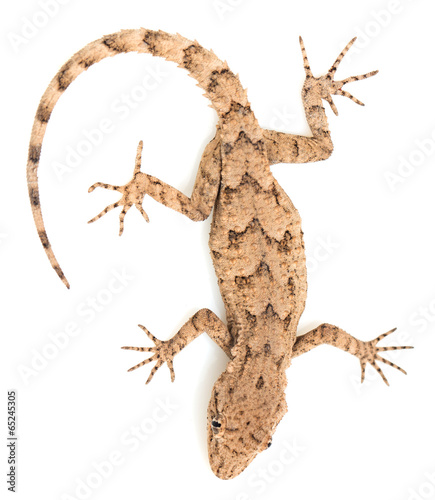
x: 243, y: 413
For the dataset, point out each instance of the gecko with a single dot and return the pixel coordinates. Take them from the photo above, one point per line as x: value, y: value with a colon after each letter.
x: 256, y: 241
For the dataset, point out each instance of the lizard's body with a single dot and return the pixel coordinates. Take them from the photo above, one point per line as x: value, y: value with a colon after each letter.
x: 257, y: 248
x: 256, y: 240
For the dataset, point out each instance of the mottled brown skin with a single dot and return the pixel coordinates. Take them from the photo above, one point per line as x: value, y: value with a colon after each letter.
x: 256, y: 240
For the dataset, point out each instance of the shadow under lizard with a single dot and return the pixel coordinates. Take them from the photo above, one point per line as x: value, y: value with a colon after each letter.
x: 256, y: 240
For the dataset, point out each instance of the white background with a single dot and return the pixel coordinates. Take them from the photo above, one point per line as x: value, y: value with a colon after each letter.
x: 78, y: 410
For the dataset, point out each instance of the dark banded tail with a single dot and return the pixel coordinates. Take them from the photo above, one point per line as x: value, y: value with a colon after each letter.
x: 221, y: 87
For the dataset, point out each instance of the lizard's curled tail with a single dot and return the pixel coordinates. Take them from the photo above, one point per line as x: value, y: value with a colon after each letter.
x: 221, y: 87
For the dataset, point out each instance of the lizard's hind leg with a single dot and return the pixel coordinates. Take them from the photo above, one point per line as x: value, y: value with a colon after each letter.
x: 165, y: 350
x: 197, y: 207
x: 367, y: 352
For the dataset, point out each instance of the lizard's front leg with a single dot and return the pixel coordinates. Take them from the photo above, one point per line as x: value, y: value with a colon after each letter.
x: 165, y: 350
x: 197, y: 207
x: 287, y: 148
x: 367, y: 352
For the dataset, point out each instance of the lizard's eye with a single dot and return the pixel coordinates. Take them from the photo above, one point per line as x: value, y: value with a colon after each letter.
x: 269, y: 444
x: 215, y: 425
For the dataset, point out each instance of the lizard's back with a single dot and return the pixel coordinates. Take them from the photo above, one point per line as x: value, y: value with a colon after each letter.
x: 256, y: 243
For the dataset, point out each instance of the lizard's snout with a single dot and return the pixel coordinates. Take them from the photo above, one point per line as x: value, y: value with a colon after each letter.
x: 226, y: 465
x: 226, y: 459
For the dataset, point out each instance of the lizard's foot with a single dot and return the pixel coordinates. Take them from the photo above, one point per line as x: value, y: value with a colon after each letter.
x: 325, y: 85
x: 163, y: 352
x: 370, y: 354
x: 132, y: 193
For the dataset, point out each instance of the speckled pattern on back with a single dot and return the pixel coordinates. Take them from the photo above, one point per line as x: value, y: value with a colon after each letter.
x: 256, y: 241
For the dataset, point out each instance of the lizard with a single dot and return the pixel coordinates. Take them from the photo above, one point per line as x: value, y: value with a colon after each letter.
x: 256, y: 241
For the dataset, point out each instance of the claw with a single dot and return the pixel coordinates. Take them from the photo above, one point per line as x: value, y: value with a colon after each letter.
x: 142, y: 211
x: 332, y: 104
x: 327, y: 86
x: 140, y: 349
x: 104, y: 212
x: 142, y: 363
x: 153, y: 371
x: 350, y: 96
x: 363, y: 369
x: 351, y: 79
x: 171, y: 369
x: 390, y: 363
x: 381, y: 373
x: 395, y: 347
x: 304, y: 55
x: 373, y: 356
x: 149, y: 334
x: 122, y: 217
x: 138, y: 162
x: 132, y: 193
x: 334, y: 67
x: 162, y: 352
x: 378, y: 339
x: 105, y: 186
